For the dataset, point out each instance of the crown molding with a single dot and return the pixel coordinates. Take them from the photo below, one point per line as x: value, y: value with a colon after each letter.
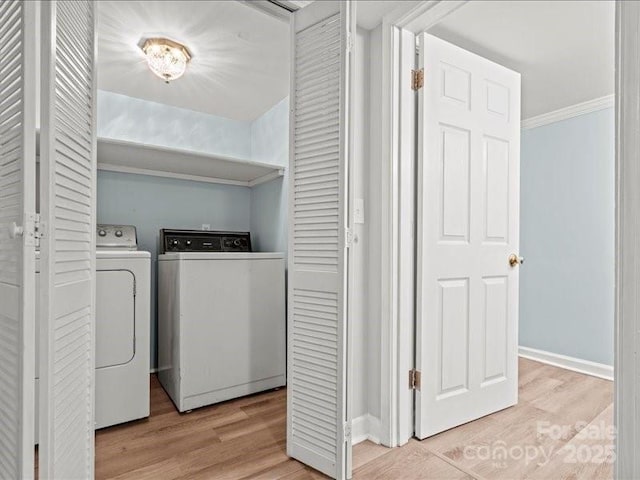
x: 569, y: 112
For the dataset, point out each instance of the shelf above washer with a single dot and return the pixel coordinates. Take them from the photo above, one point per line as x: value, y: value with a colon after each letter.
x: 143, y: 159
x: 132, y: 157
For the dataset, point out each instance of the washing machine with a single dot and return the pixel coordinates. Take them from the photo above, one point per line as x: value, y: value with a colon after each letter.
x: 123, y: 302
x: 221, y: 317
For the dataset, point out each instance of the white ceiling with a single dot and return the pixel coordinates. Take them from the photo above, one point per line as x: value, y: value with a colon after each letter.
x: 240, y: 65
x: 563, y: 49
x: 240, y: 69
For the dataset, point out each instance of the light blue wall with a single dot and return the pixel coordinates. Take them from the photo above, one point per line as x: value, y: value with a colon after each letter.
x: 269, y: 216
x: 152, y: 203
x: 567, y: 237
x: 136, y: 120
x: 270, y: 144
x: 270, y: 135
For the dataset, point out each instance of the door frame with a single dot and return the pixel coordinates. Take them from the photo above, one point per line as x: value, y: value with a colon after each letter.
x: 398, y: 313
x: 398, y: 149
x: 627, y: 317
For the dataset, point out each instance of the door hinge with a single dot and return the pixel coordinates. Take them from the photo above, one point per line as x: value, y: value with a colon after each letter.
x: 347, y: 431
x: 417, y: 79
x: 348, y: 237
x: 414, y: 379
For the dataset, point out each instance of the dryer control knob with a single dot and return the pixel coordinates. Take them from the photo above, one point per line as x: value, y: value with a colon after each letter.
x: 118, y: 233
x: 102, y: 233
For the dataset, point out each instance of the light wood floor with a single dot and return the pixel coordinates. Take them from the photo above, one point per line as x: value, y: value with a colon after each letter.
x: 245, y: 438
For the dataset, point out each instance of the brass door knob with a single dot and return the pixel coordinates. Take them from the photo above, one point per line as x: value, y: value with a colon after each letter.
x: 515, y: 260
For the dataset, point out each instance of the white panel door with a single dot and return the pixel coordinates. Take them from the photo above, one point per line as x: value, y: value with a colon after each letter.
x: 468, y: 227
x: 68, y: 192
x: 17, y: 245
x: 318, y: 413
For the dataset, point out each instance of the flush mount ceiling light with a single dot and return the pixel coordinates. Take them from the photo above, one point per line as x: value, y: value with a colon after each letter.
x: 166, y: 59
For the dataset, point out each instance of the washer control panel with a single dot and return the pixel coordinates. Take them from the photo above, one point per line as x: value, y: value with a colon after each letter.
x: 116, y: 237
x: 203, y: 241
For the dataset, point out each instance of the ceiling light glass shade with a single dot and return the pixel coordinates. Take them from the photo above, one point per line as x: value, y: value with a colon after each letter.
x: 166, y: 59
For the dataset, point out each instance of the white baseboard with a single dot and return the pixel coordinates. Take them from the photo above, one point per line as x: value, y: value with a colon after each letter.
x: 569, y: 112
x: 570, y: 363
x: 374, y: 429
x: 153, y: 370
x: 359, y: 429
x: 365, y: 427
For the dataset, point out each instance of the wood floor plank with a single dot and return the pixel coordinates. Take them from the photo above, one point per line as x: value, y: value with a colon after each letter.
x: 246, y: 439
x: 288, y: 467
x: 588, y: 454
x: 305, y: 474
x: 525, y: 428
x: 365, y: 452
x: 410, y: 462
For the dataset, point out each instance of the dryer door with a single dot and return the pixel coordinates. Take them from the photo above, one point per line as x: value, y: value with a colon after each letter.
x: 115, y: 317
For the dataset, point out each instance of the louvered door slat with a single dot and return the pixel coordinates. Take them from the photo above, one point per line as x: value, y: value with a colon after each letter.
x: 17, y: 252
x: 68, y: 249
x: 318, y: 410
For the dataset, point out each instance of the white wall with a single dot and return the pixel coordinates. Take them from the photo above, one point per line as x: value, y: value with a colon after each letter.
x: 360, y: 297
x: 375, y: 233
x: 367, y: 183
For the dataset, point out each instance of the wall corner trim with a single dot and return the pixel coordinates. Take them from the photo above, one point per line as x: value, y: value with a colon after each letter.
x: 365, y: 427
x: 579, y: 365
x: 571, y: 111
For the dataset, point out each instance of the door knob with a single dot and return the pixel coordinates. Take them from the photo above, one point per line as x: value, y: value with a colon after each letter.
x: 15, y: 230
x: 515, y: 260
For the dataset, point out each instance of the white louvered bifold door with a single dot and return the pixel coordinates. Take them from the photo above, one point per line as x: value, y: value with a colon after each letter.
x: 68, y: 193
x: 17, y: 245
x: 318, y: 413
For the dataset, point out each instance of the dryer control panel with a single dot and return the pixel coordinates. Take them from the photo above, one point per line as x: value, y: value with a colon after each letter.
x: 116, y: 237
x: 203, y: 241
